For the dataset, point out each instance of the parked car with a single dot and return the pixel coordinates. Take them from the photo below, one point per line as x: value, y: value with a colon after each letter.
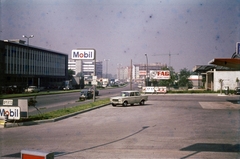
x: 237, y: 90
x: 32, y: 89
x: 129, y: 97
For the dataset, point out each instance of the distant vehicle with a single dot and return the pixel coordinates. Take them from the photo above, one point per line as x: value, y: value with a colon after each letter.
x: 86, y: 93
x: 11, y: 89
x: 129, y: 97
x: 237, y: 90
x: 139, y: 86
x: 32, y: 89
x: 96, y: 91
x: 66, y: 85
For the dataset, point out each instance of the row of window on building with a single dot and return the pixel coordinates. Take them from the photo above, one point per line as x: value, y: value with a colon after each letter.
x: 34, y: 62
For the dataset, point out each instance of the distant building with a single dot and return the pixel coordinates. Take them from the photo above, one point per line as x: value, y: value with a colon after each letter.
x: 196, y: 81
x: 139, y: 71
x: 25, y: 65
x: 85, y: 67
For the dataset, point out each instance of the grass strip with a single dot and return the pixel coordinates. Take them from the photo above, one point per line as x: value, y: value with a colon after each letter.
x: 65, y: 111
x: 6, y: 96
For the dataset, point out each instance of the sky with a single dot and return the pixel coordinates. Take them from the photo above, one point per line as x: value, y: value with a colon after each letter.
x: 193, y: 32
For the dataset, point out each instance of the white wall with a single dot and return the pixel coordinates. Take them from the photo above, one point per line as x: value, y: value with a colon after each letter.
x: 228, y: 77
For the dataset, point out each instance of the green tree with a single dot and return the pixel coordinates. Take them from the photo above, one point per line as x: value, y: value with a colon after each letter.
x: 183, y: 78
x: 70, y: 74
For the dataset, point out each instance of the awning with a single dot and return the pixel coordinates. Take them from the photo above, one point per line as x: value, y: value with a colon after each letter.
x: 203, y: 68
x: 226, y: 62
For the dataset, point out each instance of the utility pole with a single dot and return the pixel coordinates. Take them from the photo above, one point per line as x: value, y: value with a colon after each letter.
x: 131, y: 75
x: 146, y: 70
x: 169, y: 55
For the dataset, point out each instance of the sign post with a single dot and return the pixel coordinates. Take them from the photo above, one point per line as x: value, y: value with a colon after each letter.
x: 86, y: 54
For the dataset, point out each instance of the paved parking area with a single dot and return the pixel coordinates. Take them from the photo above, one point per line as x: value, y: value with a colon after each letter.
x: 166, y: 127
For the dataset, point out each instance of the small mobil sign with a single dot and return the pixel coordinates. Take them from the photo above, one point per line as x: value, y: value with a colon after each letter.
x: 83, y: 54
x: 162, y: 74
x: 13, y: 112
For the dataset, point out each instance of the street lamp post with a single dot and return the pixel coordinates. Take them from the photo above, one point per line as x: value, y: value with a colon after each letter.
x: 28, y: 57
x: 147, y: 70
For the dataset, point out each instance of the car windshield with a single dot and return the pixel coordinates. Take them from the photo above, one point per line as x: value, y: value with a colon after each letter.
x: 125, y: 94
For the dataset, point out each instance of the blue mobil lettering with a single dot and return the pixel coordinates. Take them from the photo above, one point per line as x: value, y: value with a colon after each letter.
x: 11, y: 112
x: 82, y: 54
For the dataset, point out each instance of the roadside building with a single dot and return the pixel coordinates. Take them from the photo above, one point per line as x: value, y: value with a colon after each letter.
x: 212, y: 75
x: 24, y: 65
x: 196, y: 81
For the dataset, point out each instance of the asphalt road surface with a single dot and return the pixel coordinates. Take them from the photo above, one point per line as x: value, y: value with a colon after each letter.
x: 46, y: 103
x: 168, y: 126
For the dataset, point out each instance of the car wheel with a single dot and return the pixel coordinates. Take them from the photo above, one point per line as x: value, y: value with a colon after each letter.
x: 113, y: 105
x: 142, y: 102
x: 125, y: 104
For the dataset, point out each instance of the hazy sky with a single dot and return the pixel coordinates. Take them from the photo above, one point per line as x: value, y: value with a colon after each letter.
x: 121, y: 30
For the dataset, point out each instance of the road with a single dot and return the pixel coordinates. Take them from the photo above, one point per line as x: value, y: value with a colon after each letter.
x: 168, y: 126
x: 46, y: 103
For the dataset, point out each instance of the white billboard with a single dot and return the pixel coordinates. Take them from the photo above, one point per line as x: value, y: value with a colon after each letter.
x: 162, y: 74
x: 83, y: 54
x: 154, y: 89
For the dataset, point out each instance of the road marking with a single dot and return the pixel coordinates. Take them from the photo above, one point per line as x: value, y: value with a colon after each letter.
x: 219, y: 105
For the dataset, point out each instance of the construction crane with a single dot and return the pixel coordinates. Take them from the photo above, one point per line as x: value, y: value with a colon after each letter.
x: 169, y: 55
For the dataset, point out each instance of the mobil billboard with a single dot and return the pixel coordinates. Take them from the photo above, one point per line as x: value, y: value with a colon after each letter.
x: 83, y: 54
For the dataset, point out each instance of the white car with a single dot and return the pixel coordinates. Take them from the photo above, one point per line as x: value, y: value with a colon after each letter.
x: 129, y: 97
x: 32, y: 89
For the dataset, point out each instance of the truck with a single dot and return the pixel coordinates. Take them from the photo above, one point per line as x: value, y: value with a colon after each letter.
x: 129, y: 97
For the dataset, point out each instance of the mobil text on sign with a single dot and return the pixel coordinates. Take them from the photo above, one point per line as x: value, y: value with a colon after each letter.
x: 83, y: 54
x: 162, y: 74
x: 12, y: 112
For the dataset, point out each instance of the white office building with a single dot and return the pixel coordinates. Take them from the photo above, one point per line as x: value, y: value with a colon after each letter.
x: 85, y: 67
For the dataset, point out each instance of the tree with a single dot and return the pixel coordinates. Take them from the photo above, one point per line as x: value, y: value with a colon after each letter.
x: 70, y: 74
x: 81, y: 82
x: 183, y: 78
x: 237, y: 81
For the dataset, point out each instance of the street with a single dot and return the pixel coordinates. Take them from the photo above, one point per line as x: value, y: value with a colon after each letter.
x: 167, y: 126
x: 46, y: 103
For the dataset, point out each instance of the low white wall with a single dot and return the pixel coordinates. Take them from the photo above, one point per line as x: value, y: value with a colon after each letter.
x: 228, y: 77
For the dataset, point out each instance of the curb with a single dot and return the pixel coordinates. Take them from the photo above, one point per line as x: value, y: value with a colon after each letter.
x: 37, y: 122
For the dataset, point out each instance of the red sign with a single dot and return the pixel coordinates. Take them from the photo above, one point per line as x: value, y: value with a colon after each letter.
x: 142, y: 73
x: 162, y: 74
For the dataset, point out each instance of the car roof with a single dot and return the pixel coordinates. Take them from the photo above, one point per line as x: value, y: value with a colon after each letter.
x: 130, y: 91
